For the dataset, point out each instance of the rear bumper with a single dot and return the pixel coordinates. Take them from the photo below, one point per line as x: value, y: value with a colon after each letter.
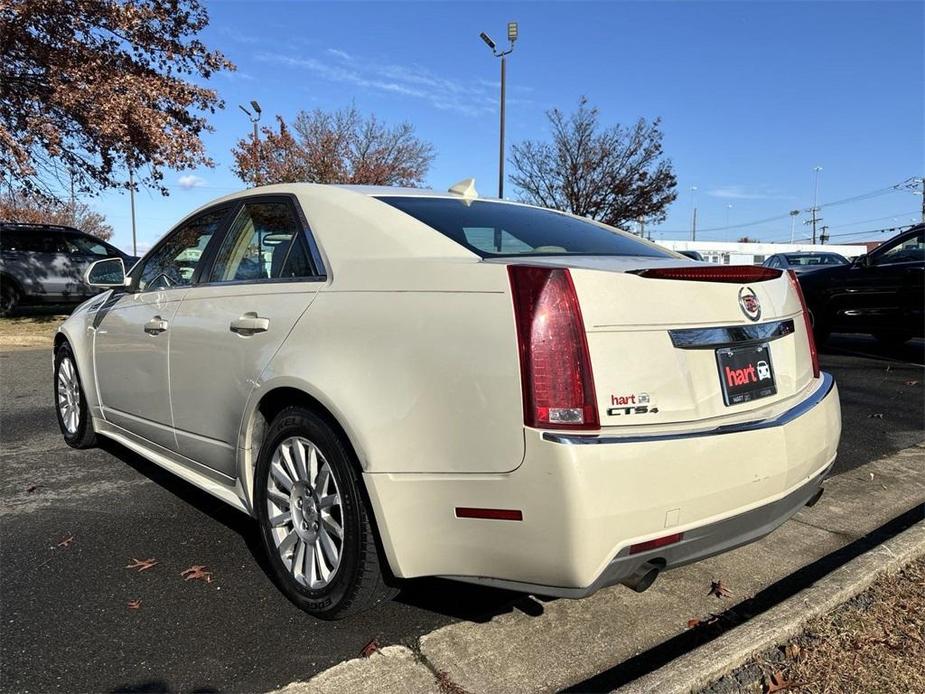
x: 697, y: 544
x: 586, y: 500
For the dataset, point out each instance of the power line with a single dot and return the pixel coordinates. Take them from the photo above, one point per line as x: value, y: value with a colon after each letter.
x: 844, y: 201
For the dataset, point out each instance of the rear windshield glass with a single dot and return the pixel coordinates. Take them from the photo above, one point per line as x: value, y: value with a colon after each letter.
x: 493, y: 229
x: 818, y: 259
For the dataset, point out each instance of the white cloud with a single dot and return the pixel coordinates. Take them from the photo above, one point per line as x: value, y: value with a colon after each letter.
x: 448, y: 94
x: 739, y: 192
x: 190, y: 181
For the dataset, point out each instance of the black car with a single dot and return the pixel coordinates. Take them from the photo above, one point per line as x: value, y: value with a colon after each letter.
x: 804, y: 261
x: 44, y: 264
x: 880, y: 293
x: 693, y: 255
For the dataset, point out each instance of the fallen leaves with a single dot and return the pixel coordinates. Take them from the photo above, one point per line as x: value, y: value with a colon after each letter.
x: 197, y: 572
x: 32, y: 487
x: 912, y: 383
x: 776, y: 682
x: 719, y: 589
x: 142, y: 564
x: 792, y: 651
x: 876, y: 415
x: 66, y: 542
x: 369, y: 649
x: 134, y: 604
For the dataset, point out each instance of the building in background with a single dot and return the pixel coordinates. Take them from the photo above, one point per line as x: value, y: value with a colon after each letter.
x: 730, y: 253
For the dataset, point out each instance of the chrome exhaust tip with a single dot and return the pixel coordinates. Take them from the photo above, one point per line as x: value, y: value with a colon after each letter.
x: 643, y: 577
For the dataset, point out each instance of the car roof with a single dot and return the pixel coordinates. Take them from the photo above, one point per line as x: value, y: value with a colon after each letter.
x: 56, y: 228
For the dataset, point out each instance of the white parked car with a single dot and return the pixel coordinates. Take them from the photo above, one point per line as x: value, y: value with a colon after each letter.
x: 399, y: 382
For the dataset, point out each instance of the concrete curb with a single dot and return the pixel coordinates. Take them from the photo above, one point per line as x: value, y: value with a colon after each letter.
x: 709, y: 662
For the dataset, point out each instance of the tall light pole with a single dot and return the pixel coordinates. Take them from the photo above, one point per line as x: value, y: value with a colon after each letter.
x: 131, y: 197
x: 254, y: 118
x: 511, y: 37
x: 818, y: 170
x: 793, y: 218
x: 693, y: 213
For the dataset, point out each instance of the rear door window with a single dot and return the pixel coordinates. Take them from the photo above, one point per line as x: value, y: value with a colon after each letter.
x: 265, y: 242
x: 498, y: 229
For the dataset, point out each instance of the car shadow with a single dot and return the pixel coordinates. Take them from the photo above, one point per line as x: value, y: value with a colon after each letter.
x: 451, y: 599
x: 912, y: 351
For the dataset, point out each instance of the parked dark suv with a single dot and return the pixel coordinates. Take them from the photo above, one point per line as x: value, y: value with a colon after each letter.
x: 44, y: 264
x: 880, y: 293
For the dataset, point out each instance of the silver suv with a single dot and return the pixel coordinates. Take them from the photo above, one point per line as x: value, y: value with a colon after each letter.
x: 44, y: 264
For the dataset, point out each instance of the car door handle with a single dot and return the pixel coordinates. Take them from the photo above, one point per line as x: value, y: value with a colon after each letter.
x: 250, y: 323
x: 156, y: 326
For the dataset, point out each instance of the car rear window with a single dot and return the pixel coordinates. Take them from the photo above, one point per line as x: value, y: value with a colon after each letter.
x: 497, y: 229
x: 818, y: 259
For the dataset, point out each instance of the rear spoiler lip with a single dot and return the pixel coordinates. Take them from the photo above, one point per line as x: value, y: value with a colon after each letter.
x: 732, y: 274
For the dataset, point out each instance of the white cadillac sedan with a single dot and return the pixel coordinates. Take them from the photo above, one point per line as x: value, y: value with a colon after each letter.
x: 398, y: 383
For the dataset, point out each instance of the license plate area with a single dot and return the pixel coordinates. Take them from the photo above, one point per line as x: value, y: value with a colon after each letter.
x: 745, y: 373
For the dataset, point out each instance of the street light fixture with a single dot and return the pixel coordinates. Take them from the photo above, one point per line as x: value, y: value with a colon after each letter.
x: 254, y: 118
x: 511, y: 37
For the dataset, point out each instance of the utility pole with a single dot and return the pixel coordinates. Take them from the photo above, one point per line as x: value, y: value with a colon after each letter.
x: 693, y: 213
x: 511, y: 37
x: 131, y: 197
x: 814, y: 220
x: 818, y: 170
x: 73, y: 202
x: 254, y: 117
x: 825, y: 235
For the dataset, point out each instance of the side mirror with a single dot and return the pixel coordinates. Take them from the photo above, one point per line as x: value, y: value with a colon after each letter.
x: 106, y: 273
x: 861, y: 261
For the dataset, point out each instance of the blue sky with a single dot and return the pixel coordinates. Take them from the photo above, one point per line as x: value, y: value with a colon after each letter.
x: 752, y: 96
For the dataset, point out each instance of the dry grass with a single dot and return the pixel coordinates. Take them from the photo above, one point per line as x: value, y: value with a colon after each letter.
x: 25, y: 332
x: 873, y: 643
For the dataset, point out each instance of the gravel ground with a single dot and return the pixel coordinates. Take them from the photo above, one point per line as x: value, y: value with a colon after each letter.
x: 875, y: 642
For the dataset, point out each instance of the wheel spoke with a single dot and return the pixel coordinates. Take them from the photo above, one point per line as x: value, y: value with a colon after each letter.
x: 308, y: 565
x: 332, y: 526
x: 327, y: 544
x: 298, y: 558
x: 312, y: 465
x: 280, y: 519
x: 321, y: 481
x: 281, y: 500
x: 286, y: 452
x: 323, y: 568
x: 301, y: 466
x: 329, y: 501
x: 280, y: 475
x: 287, y: 543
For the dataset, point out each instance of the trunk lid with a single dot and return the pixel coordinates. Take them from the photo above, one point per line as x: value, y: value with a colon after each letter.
x: 653, y: 342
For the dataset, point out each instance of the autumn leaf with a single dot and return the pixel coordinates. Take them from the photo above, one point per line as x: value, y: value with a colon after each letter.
x: 691, y: 623
x: 718, y: 589
x: 792, y: 651
x: 142, y: 564
x: 197, y: 573
x: 32, y: 487
x: 369, y: 649
x: 66, y: 542
x: 134, y: 604
x: 777, y: 682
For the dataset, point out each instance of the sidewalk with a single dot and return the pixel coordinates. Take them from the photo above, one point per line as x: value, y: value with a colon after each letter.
x: 555, y: 644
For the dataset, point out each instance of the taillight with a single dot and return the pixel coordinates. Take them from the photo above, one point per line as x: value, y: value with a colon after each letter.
x: 554, y: 363
x: 795, y: 284
x: 735, y: 274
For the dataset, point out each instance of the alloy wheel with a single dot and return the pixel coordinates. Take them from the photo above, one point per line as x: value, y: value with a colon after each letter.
x: 305, y: 512
x: 68, y: 392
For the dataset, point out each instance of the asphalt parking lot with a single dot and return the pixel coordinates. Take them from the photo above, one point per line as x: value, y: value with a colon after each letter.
x: 72, y: 521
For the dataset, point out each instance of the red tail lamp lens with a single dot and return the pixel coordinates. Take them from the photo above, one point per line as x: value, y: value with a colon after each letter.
x: 558, y: 387
x: 807, y: 320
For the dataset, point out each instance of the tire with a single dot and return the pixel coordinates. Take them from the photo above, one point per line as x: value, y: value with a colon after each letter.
x: 9, y: 297
x: 327, y: 576
x: 892, y: 339
x: 70, y: 402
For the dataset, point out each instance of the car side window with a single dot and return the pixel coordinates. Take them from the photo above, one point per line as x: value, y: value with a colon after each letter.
x: 264, y: 242
x: 173, y: 263
x: 910, y: 250
x: 88, y: 246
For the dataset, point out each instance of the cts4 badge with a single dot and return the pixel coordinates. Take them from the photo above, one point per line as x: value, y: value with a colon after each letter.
x: 748, y: 302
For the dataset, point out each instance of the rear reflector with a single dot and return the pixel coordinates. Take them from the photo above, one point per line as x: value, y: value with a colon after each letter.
x: 558, y: 387
x: 490, y: 513
x: 808, y: 321
x: 656, y: 543
x: 735, y: 274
